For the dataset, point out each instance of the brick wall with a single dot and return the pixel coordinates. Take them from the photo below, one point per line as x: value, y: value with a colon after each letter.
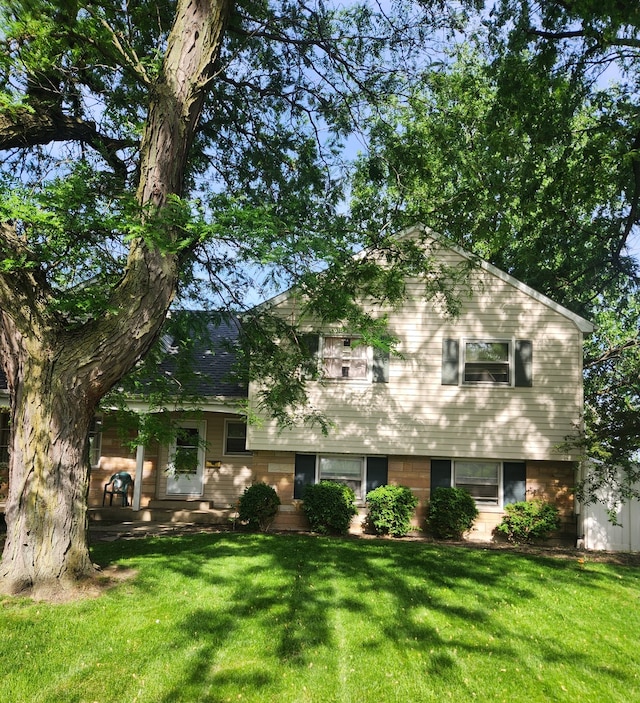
x: 552, y: 481
x: 116, y: 456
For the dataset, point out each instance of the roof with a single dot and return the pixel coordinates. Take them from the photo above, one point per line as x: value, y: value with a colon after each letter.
x: 585, y: 326
x: 213, y: 359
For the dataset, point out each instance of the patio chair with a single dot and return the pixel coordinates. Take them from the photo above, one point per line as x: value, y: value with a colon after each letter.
x: 118, y: 485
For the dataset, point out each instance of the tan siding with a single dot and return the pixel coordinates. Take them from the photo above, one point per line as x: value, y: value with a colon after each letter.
x: 415, y: 413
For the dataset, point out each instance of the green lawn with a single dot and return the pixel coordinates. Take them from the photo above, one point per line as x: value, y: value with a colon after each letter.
x: 241, y: 617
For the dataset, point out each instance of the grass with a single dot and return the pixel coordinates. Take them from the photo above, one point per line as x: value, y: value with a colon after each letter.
x: 242, y: 617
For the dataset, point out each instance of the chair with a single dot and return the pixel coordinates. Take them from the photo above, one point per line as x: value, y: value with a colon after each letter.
x: 118, y: 485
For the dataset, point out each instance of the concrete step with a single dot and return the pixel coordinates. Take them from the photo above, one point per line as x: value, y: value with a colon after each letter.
x: 176, y: 504
x: 175, y: 514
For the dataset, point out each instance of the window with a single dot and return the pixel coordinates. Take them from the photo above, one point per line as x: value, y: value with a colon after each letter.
x: 348, y: 470
x: 484, y: 361
x: 493, y: 484
x: 487, y: 362
x: 187, y: 449
x: 95, y: 441
x: 363, y: 474
x: 235, y: 437
x: 481, y: 479
x: 344, y: 357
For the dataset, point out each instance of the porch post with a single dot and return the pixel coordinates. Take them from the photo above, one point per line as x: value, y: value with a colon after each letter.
x: 137, y: 486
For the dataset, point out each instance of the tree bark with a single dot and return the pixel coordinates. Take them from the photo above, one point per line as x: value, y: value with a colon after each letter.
x: 56, y: 376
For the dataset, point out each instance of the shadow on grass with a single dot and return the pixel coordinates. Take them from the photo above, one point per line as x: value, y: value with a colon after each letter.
x: 293, y: 589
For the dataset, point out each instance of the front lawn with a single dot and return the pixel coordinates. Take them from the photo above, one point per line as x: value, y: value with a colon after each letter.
x: 216, y: 617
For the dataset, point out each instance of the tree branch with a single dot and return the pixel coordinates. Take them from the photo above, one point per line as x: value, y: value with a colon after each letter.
x: 613, y: 353
x: 25, y: 127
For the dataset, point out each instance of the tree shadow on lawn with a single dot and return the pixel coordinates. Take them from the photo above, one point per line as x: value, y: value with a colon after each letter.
x: 295, y: 587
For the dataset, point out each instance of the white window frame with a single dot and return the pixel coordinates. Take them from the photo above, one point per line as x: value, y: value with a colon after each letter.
x: 368, y: 358
x: 344, y: 457
x: 229, y: 421
x: 95, y: 441
x: 487, y: 340
x: 482, y: 506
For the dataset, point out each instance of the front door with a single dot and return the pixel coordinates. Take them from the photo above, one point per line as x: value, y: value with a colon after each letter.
x: 186, y: 461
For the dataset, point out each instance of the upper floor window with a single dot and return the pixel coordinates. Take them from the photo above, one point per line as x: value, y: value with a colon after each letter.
x: 344, y: 357
x: 487, y: 361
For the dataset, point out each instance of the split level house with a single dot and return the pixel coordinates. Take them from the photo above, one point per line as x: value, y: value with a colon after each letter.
x: 484, y: 400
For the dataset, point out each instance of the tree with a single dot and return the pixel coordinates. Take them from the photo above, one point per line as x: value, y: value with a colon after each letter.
x: 60, y: 333
x: 517, y: 151
x: 151, y: 149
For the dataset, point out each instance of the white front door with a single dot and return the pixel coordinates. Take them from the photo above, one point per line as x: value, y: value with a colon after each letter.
x: 186, y: 460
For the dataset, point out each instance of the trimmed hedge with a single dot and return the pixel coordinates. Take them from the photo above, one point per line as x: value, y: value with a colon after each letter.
x: 329, y: 507
x: 258, y: 506
x: 528, y: 520
x: 391, y: 509
x: 452, y: 512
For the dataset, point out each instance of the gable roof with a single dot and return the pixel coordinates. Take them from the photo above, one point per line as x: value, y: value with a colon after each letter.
x: 214, y: 357
x: 421, y: 231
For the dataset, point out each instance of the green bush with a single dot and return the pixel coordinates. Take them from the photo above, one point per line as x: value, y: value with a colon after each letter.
x: 529, y: 520
x: 258, y: 506
x: 390, y: 509
x: 452, y: 512
x: 329, y: 507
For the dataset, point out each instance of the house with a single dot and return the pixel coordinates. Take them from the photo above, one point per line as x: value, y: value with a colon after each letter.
x: 484, y: 400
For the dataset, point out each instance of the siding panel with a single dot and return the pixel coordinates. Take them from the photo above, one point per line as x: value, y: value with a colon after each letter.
x: 414, y: 413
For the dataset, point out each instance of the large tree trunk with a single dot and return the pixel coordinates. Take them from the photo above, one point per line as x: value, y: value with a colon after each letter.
x: 46, y: 512
x: 56, y: 376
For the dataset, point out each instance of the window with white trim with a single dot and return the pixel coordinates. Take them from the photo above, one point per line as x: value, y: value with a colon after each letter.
x: 344, y: 358
x: 479, y: 478
x: 235, y: 437
x: 343, y: 469
x: 487, y: 362
x: 362, y: 473
x: 95, y: 441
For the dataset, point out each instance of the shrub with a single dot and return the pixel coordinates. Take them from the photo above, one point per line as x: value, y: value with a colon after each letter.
x: 329, y: 507
x: 258, y: 506
x: 452, y: 512
x: 390, y: 509
x: 528, y: 520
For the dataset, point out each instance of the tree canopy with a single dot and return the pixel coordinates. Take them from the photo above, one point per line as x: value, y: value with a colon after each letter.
x: 524, y: 149
x: 160, y: 153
